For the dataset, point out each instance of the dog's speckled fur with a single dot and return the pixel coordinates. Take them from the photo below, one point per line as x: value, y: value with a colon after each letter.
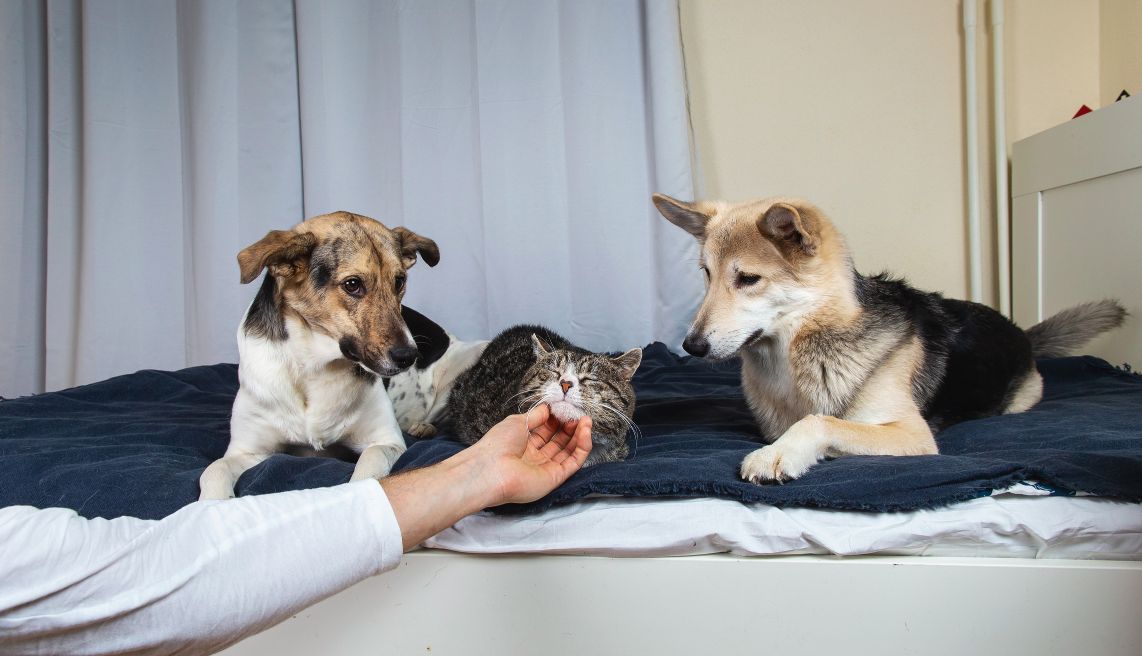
x: 420, y: 394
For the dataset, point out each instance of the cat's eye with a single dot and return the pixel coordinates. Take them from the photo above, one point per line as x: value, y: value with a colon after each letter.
x: 747, y: 279
x: 705, y: 270
x: 353, y: 287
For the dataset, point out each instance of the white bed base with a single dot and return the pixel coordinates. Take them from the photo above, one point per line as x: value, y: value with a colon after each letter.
x: 1077, y: 219
x: 447, y: 603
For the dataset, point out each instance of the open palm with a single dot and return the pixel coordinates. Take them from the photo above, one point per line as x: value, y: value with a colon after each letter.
x: 533, y: 454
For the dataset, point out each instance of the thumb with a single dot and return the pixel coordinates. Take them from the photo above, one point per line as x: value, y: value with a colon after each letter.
x: 537, y: 416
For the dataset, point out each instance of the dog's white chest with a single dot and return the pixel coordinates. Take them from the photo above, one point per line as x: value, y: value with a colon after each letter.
x: 318, y: 406
x: 331, y: 408
x: 770, y: 390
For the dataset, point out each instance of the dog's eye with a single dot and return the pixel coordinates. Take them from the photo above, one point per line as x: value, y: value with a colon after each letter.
x: 398, y: 284
x: 705, y: 271
x: 747, y: 279
x: 353, y: 287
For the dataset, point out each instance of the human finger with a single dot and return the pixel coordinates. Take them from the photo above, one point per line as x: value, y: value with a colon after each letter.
x: 537, y: 417
x: 542, y: 434
x: 555, y: 445
x: 579, y: 446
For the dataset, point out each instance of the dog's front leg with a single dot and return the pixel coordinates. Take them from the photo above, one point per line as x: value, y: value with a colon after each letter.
x: 816, y: 436
x: 380, y: 440
x: 377, y: 461
x: 217, y: 480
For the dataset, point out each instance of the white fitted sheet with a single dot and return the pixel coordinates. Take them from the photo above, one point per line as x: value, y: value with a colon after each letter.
x: 1017, y: 523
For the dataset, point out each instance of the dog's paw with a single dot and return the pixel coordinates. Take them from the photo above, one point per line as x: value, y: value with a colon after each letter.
x: 774, y: 464
x: 215, y: 495
x: 785, y: 460
x: 421, y: 430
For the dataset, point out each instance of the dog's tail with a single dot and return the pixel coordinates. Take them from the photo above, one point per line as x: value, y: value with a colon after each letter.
x: 1065, y: 332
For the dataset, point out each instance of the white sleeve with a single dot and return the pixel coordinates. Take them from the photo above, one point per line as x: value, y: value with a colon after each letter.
x: 198, y: 581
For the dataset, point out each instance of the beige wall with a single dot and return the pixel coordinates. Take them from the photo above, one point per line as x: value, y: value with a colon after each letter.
x: 859, y: 107
x: 1052, y: 62
x: 1120, y: 48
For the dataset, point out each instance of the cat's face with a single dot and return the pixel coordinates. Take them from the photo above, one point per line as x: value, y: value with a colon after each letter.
x: 575, y: 384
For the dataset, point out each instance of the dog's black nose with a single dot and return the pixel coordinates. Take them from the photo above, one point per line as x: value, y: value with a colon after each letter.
x: 696, y: 345
x: 403, y: 356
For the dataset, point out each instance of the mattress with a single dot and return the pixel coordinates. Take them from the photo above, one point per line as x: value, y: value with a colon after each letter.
x: 1019, y: 522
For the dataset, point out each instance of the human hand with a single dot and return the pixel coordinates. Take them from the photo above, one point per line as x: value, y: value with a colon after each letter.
x: 520, y: 459
x: 526, y: 456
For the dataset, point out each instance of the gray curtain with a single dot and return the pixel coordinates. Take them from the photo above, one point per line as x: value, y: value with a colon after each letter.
x: 142, y: 144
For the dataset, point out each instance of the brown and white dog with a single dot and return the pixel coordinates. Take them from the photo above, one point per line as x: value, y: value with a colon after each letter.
x: 324, y: 327
x: 834, y: 362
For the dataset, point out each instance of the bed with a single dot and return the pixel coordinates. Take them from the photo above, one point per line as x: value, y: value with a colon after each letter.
x: 672, y: 523
x: 1025, y: 534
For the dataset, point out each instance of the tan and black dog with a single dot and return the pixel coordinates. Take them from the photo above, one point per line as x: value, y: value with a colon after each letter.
x: 325, y: 325
x: 834, y: 362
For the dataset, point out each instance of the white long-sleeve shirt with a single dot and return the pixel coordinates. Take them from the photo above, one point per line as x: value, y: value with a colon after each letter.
x: 192, y: 583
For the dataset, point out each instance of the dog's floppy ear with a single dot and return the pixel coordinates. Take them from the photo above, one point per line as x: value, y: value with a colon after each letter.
x: 688, y: 216
x: 278, y: 251
x: 411, y: 243
x: 789, y: 228
x: 628, y: 362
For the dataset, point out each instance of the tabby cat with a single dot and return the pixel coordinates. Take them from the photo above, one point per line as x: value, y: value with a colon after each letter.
x: 528, y: 365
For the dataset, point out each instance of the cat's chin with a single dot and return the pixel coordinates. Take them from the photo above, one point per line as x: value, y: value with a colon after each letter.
x: 564, y: 411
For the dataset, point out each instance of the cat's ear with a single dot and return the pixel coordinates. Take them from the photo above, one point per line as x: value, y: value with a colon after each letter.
x: 540, y: 347
x: 628, y: 362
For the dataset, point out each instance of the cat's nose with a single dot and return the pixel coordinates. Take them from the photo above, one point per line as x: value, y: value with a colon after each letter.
x: 566, y: 385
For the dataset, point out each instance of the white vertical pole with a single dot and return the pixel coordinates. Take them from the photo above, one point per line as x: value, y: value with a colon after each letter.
x: 1002, y: 215
x: 975, y: 249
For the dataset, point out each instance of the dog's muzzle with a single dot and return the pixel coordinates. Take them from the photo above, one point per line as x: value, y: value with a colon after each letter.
x: 400, y: 357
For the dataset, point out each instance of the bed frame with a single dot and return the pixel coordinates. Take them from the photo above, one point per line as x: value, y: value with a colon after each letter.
x: 447, y: 603
x: 1077, y: 192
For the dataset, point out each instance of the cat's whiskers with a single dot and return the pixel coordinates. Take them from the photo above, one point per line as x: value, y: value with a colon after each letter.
x: 525, y: 392
x: 631, y: 426
x: 537, y: 397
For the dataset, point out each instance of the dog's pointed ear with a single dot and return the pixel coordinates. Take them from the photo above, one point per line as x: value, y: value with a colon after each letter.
x: 540, y: 347
x: 279, y: 250
x: 688, y: 216
x: 790, y: 228
x: 628, y: 362
x: 411, y: 243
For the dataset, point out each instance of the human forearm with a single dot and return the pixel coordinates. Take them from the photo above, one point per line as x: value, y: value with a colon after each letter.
x: 429, y: 500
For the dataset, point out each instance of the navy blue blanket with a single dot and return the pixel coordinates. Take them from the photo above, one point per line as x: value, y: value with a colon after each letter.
x: 135, y: 445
